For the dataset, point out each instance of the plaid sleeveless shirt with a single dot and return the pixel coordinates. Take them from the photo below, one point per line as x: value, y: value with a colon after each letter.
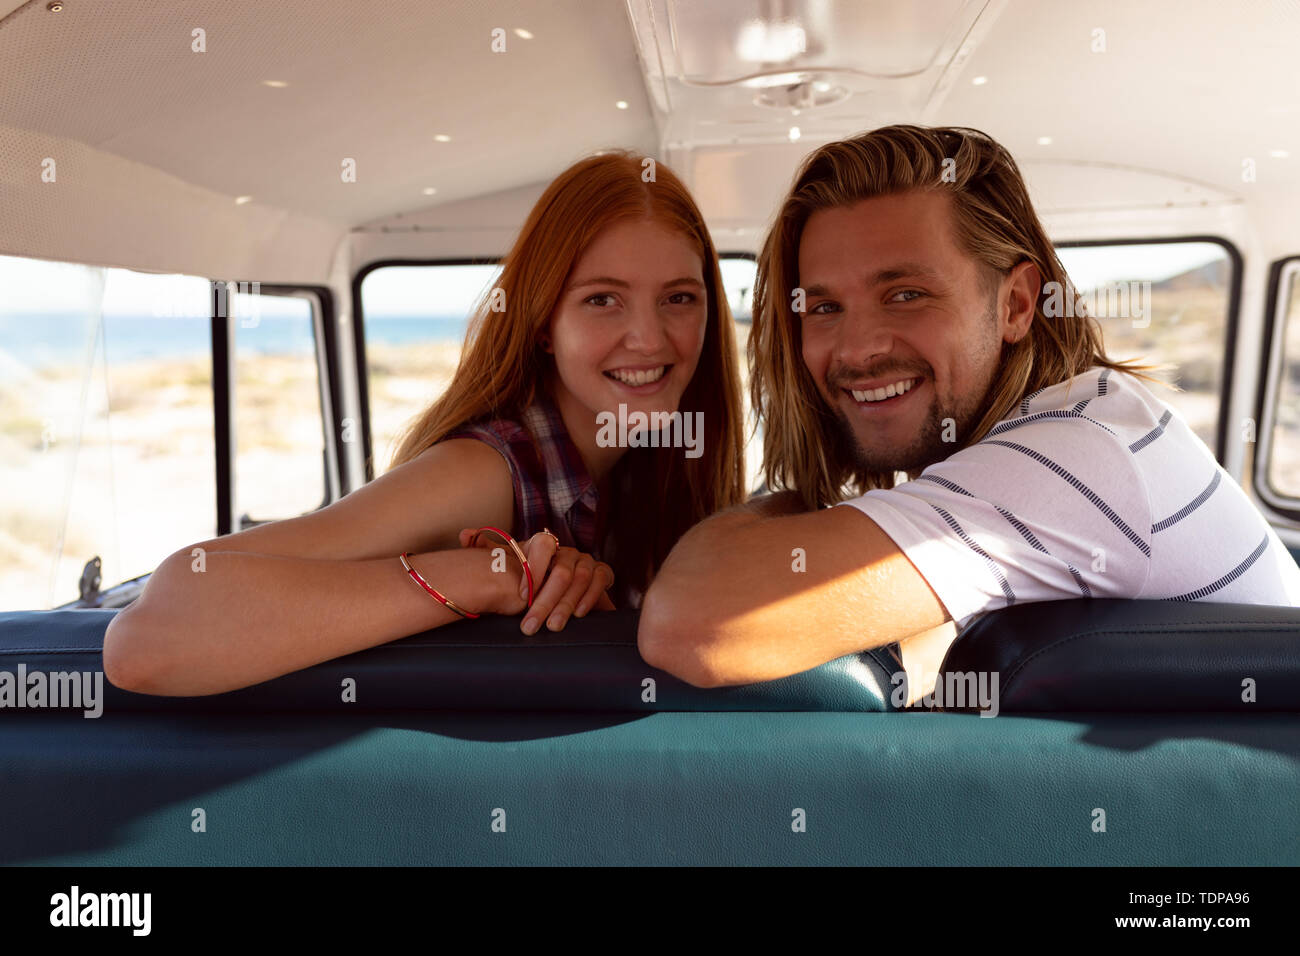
x: 551, y: 484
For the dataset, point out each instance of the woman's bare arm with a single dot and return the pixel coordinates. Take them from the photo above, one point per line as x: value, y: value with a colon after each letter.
x: 257, y: 616
x: 289, y: 594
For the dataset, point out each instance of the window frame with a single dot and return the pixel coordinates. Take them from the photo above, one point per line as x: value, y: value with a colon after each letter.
x: 325, y: 338
x: 359, y: 328
x: 1237, y: 266
x: 1266, y: 397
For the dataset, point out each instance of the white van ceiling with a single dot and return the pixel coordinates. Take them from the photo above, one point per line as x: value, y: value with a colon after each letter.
x: 154, y: 144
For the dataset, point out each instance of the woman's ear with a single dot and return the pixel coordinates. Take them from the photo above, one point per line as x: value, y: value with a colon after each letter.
x: 546, y: 343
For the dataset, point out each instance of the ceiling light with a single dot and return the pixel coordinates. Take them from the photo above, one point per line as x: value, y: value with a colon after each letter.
x: 1044, y: 141
x: 621, y: 104
x: 1278, y: 153
x: 794, y: 133
x: 979, y: 81
x: 429, y: 190
x: 442, y: 138
x: 240, y: 200
x: 798, y: 91
x: 771, y: 41
x: 277, y: 84
x: 523, y: 34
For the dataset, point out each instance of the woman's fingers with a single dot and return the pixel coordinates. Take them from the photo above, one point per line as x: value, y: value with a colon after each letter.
x: 556, y: 586
x: 584, y: 570
x: 541, y: 549
x: 601, y: 580
x: 566, y: 582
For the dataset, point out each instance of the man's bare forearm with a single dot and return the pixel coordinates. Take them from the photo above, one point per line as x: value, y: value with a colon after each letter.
x: 718, y: 539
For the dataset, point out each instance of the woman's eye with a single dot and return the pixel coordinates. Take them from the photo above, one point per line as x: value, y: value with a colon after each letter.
x: 682, y: 298
x: 591, y: 299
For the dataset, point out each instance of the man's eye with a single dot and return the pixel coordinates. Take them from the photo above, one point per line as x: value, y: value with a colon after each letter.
x: 912, y: 295
x: 823, y: 308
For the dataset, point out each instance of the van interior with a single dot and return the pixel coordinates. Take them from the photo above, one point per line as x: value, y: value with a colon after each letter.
x: 238, y: 249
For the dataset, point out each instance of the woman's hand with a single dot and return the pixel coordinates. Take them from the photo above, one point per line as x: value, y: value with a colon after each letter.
x: 566, y: 582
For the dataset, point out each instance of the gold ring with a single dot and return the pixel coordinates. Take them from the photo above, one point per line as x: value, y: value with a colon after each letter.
x: 553, y: 537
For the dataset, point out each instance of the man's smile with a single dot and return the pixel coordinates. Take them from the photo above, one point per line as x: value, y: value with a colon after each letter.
x: 877, y: 396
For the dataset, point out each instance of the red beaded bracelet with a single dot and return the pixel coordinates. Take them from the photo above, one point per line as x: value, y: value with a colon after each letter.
x: 419, y: 579
x: 519, y: 553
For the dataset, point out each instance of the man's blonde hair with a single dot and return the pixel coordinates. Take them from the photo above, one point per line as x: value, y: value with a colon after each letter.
x: 804, y: 447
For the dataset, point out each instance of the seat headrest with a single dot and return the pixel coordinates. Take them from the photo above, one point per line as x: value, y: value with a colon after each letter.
x: 592, y: 665
x: 1117, y: 655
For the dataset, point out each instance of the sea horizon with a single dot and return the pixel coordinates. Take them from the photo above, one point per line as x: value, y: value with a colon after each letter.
x: 44, y: 340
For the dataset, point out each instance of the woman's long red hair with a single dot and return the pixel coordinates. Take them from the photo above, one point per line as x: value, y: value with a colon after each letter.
x: 656, y: 493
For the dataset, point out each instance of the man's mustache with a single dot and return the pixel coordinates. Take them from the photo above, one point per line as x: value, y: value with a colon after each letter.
x: 843, y: 377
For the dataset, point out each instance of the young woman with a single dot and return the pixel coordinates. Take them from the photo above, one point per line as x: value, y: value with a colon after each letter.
x: 609, y: 304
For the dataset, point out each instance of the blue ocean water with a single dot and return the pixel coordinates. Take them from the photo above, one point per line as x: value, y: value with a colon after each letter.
x: 42, y: 340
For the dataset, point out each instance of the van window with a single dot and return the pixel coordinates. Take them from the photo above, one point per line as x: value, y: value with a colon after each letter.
x: 738, y: 275
x: 106, y: 425
x: 279, y: 435
x: 1164, y: 302
x: 1281, y: 468
x: 415, y: 318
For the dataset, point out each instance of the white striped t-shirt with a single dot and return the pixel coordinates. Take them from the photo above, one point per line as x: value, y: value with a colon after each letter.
x: 1094, y: 487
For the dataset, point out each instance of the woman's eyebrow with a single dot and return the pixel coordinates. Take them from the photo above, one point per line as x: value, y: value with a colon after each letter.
x: 601, y: 280
x: 623, y: 284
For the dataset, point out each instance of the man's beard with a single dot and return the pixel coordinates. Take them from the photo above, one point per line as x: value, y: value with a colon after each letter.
x: 925, y: 449
x: 929, y: 445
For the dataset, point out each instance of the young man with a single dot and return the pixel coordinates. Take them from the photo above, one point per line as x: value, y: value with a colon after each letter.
x: 909, y: 318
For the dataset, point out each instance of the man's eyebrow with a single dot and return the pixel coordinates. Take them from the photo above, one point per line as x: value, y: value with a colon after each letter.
x: 623, y: 284
x: 903, y: 270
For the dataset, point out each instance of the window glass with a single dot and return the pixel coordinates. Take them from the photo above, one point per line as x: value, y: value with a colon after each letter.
x: 1164, y: 302
x: 279, y: 425
x: 1283, y: 469
x: 738, y: 274
x: 415, y: 320
x: 106, y: 442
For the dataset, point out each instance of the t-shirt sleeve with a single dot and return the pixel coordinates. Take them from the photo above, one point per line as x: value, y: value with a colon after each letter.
x: 1045, y: 511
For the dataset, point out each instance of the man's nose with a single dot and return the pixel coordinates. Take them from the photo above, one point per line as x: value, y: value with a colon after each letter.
x: 862, y: 338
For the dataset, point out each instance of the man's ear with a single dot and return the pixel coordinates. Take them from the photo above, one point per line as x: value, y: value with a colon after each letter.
x: 1020, y: 291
